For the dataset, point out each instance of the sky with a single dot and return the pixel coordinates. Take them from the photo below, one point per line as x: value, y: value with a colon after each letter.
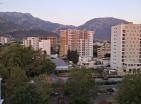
x: 75, y: 12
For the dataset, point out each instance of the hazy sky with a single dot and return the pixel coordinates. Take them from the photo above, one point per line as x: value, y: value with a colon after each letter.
x: 75, y: 12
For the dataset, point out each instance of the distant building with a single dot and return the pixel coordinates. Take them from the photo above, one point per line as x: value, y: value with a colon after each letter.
x: 4, y: 40
x: 38, y: 44
x: 80, y: 40
x: 45, y: 46
x: 53, y: 40
x: 32, y: 42
x: 103, y: 50
x: 126, y: 48
x: 98, y: 43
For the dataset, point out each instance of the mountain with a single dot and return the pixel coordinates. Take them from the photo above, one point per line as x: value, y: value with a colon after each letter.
x: 28, y: 22
x: 19, y: 35
x: 15, y: 21
x: 102, y: 26
x: 6, y: 26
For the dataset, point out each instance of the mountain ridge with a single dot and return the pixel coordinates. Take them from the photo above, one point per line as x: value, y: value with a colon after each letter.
x: 15, y: 21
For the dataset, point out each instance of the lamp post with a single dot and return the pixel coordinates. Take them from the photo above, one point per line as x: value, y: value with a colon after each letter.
x: 1, y: 100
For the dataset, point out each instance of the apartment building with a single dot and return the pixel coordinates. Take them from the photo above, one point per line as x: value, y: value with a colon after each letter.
x: 32, y: 42
x: 45, y: 46
x: 80, y: 40
x: 53, y: 40
x: 104, y: 49
x: 126, y: 48
x: 38, y: 44
x: 4, y: 40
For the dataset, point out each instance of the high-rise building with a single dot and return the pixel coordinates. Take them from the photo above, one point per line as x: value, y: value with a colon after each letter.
x: 80, y: 40
x: 63, y: 42
x: 126, y: 48
x: 45, y: 46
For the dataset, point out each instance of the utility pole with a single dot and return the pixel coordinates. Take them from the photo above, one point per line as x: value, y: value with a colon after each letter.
x: 1, y: 100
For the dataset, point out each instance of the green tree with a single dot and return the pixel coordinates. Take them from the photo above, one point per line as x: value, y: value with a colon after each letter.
x: 31, y: 93
x: 17, y: 76
x: 80, y: 87
x: 17, y: 64
x: 130, y: 90
x: 73, y: 56
x: 33, y: 63
x: 16, y: 55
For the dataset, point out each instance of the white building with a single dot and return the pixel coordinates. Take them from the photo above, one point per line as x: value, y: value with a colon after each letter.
x: 45, y: 45
x: 31, y: 42
x: 4, y: 40
x: 126, y: 48
x: 86, y: 45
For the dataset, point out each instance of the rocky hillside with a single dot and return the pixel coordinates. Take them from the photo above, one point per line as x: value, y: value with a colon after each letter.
x: 102, y: 26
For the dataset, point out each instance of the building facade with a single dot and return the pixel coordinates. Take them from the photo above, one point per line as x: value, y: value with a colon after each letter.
x: 32, y: 42
x: 4, y: 40
x: 103, y: 50
x: 80, y: 40
x: 126, y: 48
x: 45, y: 46
x: 53, y: 40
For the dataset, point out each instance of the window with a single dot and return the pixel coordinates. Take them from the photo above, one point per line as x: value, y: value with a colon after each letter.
x: 123, y: 31
x: 123, y: 42
x: 130, y: 70
x: 123, y: 38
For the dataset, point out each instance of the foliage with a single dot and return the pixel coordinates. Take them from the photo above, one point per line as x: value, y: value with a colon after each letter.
x: 17, y: 65
x: 17, y: 76
x: 80, y: 87
x: 27, y: 93
x: 130, y: 90
x: 33, y: 63
x: 73, y: 56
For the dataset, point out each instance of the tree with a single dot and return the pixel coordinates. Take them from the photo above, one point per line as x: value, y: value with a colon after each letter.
x: 16, y: 78
x: 16, y: 55
x: 17, y: 65
x: 32, y: 62
x: 130, y: 90
x: 80, y: 87
x: 73, y: 56
x: 31, y: 93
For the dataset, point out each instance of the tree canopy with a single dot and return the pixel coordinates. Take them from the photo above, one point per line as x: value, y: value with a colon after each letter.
x: 73, y: 56
x: 80, y: 87
x: 32, y: 62
x: 130, y: 90
x: 18, y: 65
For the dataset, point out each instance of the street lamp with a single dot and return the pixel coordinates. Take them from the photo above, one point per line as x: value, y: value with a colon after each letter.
x: 1, y: 100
